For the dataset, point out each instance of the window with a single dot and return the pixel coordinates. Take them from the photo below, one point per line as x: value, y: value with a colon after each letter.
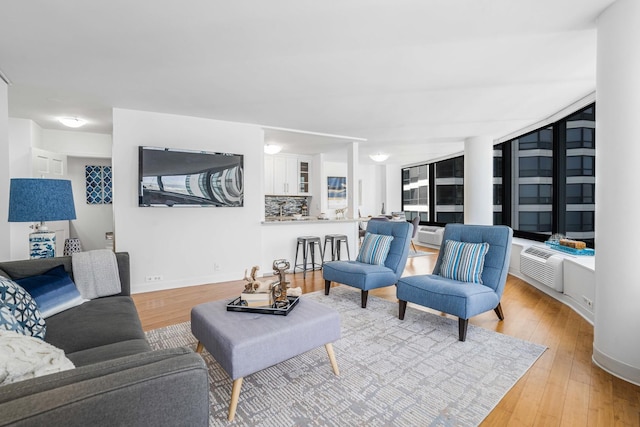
x: 536, y: 166
x: 449, y: 195
x: 435, y: 191
x: 580, y: 221
x: 535, y: 194
x: 540, y: 140
x: 544, y: 181
x: 580, y: 165
x: 580, y: 194
x: 451, y: 168
x: 415, y: 192
x: 536, y: 222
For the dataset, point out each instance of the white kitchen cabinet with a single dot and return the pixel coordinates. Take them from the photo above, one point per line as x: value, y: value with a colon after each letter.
x: 268, y: 174
x: 287, y: 174
x: 47, y: 164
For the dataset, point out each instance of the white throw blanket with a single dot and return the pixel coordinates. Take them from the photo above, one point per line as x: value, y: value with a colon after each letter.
x: 23, y: 357
x: 95, y: 273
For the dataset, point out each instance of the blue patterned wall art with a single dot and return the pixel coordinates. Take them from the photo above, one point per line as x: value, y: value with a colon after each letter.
x: 99, y: 184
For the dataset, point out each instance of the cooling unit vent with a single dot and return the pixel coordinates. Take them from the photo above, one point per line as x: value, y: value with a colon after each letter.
x: 542, y: 265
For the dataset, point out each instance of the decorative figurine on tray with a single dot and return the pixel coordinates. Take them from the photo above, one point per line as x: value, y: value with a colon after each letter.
x: 279, y: 289
x: 253, y: 284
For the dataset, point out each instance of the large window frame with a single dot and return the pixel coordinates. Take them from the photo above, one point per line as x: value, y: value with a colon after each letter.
x: 565, y: 153
x: 442, y: 183
x: 571, y: 205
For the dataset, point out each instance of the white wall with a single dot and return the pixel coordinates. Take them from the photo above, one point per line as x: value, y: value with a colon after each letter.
x: 184, y: 245
x: 75, y: 143
x: 23, y: 134
x: 617, y: 319
x: 371, y: 195
x: 393, y: 188
x: 92, y: 221
x: 332, y: 169
x: 5, y: 230
x: 373, y: 190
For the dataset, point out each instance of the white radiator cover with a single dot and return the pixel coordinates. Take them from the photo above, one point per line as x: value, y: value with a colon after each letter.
x: 543, y: 265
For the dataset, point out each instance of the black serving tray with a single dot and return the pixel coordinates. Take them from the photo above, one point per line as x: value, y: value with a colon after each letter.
x: 236, y: 305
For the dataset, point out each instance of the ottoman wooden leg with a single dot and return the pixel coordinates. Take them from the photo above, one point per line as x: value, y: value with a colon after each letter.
x: 199, y: 347
x: 235, y: 394
x: 332, y: 358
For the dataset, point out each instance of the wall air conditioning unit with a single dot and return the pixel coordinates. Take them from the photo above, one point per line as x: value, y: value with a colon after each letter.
x: 543, y: 265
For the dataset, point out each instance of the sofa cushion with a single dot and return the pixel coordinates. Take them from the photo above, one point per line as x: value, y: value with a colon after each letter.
x: 374, y: 249
x: 8, y: 321
x: 463, y: 261
x: 53, y: 290
x: 23, y: 357
x: 108, y: 352
x: 23, y: 307
x: 95, y: 323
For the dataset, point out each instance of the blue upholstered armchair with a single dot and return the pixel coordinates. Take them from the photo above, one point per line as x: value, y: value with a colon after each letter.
x: 367, y: 276
x: 461, y: 284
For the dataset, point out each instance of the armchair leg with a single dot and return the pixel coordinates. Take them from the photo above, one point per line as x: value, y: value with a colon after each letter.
x: 327, y: 286
x: 363, y: 297
x: 402, y: 309
x: 499, y: 312
x: 462, y: 328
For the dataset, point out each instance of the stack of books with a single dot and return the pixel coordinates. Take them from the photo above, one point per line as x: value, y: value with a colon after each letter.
x: 258, y: 299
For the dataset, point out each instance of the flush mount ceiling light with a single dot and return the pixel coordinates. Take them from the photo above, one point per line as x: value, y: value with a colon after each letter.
x: 379, y: 157
x: 272, y: 148
x: 72, y: 122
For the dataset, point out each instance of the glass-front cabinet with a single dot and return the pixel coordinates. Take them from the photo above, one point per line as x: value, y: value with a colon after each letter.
x: 304, y: 175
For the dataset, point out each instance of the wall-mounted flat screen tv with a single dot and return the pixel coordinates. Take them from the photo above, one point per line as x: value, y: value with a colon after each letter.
x: 176, y: 177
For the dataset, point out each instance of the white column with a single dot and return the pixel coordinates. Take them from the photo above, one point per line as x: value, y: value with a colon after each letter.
x: 352, y: 179
x: 478, y: 180
x: 5, y: 241
x: 616, y: 346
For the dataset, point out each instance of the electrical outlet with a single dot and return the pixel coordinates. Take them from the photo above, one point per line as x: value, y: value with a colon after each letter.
x: 216, y: 266
x: 155, y: 278
x: 587, y: 301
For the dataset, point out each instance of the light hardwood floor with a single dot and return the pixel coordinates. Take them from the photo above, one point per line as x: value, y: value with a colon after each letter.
x: 563, y: 388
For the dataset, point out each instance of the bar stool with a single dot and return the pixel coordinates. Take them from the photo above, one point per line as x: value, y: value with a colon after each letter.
x: 336, y: 242
x: 308, y: 246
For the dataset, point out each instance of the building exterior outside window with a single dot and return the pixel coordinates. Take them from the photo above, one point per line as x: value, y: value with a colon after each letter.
x: 449, y: 188
x: 543, y: 182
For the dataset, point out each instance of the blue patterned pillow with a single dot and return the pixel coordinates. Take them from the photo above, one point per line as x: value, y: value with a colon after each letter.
x: 463, y: 261
x: 53, y: 290
x: 8, y: 322
x: 22, y: 307
x: 374, y: 249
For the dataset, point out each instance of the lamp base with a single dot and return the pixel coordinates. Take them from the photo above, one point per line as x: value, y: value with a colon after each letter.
x: 42, y: 244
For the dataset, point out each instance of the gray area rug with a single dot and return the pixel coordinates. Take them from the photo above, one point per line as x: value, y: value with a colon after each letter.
x: 392, y: 373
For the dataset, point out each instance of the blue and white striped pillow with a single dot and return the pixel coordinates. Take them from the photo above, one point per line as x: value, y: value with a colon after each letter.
x: 463, y: 261
x: 374, y: 249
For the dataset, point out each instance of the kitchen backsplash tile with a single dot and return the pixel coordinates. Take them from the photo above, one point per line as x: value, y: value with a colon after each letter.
x: 290, y: 205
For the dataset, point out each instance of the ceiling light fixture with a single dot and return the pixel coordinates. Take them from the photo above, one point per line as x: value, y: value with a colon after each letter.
x: 72, y: 122
x: 272, y: 148
x: 379, y: 157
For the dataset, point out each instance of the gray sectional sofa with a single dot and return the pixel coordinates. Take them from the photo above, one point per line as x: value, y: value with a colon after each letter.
x: 118, y: 379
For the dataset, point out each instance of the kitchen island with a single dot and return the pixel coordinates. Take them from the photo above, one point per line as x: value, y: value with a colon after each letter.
x: 279, y: 238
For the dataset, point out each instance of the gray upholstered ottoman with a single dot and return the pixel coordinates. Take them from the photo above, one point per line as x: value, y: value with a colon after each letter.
x: 244, y: 343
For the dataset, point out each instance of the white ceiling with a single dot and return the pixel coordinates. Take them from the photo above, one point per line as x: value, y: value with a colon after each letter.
x: 412, y: 77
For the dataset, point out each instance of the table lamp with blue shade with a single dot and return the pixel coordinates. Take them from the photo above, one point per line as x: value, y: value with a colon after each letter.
x: 40, y: 200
